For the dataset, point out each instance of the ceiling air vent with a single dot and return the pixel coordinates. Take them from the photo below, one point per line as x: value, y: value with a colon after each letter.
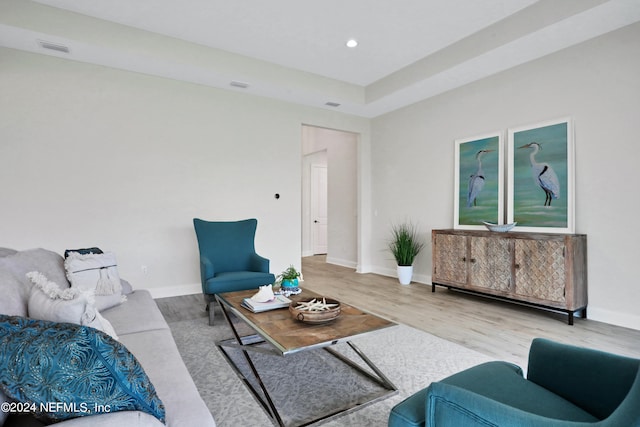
x: 241, y: 85
x: 332, y: 104
x: 53, y: 46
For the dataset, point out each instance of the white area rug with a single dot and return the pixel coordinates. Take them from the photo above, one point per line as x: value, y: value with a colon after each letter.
x: 410, y: 358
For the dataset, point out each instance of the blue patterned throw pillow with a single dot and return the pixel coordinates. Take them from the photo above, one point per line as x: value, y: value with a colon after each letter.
x: 64, y: 370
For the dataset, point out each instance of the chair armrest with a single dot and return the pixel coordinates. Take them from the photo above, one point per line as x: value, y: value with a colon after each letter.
x: 628, y: 413
x: 451, y: 406
x: 594, y: 380
x: 258, y: 263
x: 206, y: 269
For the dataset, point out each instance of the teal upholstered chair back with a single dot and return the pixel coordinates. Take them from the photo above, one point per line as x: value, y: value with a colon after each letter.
x: 228, y: 245
x: 605, y: 379
x: 228, y: 260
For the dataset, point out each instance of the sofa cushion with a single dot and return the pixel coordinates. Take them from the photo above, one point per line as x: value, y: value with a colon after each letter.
x: 158, y: 353
x: 230, y: 281
x: 7, y: 251
x: 43, y: 362
x: 114, y: 419
x: 15, y: 293
x: 14, y: 285
x: 139, y: 313
x: 49, y: 263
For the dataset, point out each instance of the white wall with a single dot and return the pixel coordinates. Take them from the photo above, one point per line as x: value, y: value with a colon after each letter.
x: 597, y: 84
x: 341, y: 151
x: 92, y: 156
x: 95, y: 156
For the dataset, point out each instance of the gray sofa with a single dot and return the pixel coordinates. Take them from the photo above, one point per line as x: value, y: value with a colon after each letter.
x: 139, y: 326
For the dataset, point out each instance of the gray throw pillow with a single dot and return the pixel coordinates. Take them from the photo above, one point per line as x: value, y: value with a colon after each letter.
x: 6, y: 252
x: 48, y: 302
x: 15, y: 288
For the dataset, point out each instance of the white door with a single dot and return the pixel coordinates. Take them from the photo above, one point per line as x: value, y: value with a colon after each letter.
x: 319, y: 209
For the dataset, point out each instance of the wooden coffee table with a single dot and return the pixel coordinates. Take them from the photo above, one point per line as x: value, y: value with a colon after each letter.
x: 286, y: 335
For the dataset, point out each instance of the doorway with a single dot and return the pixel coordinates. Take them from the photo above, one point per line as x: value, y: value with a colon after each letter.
x: 330, y: 195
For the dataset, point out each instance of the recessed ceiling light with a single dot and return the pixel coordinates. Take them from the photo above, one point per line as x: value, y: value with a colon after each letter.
x: 352, y: 43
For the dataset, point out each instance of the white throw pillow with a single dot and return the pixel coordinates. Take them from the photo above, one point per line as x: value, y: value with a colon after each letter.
x: 94, y: 271
x: 72, y: 305
x: 97, y: 272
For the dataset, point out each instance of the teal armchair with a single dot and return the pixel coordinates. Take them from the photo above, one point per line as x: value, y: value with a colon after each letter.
x: 228, y: 260
x: 566, y: 386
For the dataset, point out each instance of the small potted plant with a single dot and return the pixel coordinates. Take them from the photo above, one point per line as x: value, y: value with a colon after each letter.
x: 405, y: 246
x: 288, y: 280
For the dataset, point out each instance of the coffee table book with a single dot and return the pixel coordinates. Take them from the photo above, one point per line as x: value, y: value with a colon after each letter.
x: 280, y: 301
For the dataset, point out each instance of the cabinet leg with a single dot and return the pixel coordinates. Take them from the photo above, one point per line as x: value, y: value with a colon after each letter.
x: 433, y: 287
x: 584, y: 313
x: 570, y: 318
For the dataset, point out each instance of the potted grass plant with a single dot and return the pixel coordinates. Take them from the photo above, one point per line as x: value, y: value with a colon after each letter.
x: 288, y: 280
x: 405, y: 246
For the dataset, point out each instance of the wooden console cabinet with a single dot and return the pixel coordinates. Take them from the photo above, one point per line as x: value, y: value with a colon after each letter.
x: 543, y: 270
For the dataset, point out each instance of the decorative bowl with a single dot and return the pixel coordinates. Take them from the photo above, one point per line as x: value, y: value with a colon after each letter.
x: 306, y: 312
x: 500, y: 228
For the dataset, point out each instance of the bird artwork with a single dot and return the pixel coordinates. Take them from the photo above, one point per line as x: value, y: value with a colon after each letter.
x: 476, y: 180
x: 543, y: 174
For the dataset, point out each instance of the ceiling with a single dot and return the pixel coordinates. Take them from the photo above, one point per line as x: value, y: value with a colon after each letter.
x: 294, y: 50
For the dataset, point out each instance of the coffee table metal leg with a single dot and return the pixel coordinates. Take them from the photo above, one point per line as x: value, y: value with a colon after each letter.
x: 268, y: 402
x: 379, y: 377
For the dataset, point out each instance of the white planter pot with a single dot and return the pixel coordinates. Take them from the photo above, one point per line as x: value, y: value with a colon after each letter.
x: 404, y: 274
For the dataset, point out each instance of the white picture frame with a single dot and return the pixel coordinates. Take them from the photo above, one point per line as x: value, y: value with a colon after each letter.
x: 479, y: 181
x: 541, y: 177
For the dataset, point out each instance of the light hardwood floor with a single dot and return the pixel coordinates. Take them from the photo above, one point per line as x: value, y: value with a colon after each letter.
x: 498, y: 329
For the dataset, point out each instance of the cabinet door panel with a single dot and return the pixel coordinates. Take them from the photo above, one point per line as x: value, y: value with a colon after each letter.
x: 450, y: 259
x: 540, y: 269
x: 490, y: 264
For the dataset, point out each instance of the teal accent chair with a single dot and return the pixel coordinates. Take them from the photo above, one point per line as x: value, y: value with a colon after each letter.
x: 228, y: 259
x: 566, y: 386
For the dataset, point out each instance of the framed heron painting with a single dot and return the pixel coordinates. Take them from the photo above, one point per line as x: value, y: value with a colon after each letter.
x: 478, y: 180
x: 540, y: 179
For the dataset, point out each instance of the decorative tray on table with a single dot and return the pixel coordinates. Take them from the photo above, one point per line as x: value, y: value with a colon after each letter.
x: 500, y: 228
x: 316, y: 310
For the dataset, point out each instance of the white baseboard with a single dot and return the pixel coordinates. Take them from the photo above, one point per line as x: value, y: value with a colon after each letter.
x: 625, y: 320
x: 363, y: 269
x: 341, y: 262
x: 175, y: 291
